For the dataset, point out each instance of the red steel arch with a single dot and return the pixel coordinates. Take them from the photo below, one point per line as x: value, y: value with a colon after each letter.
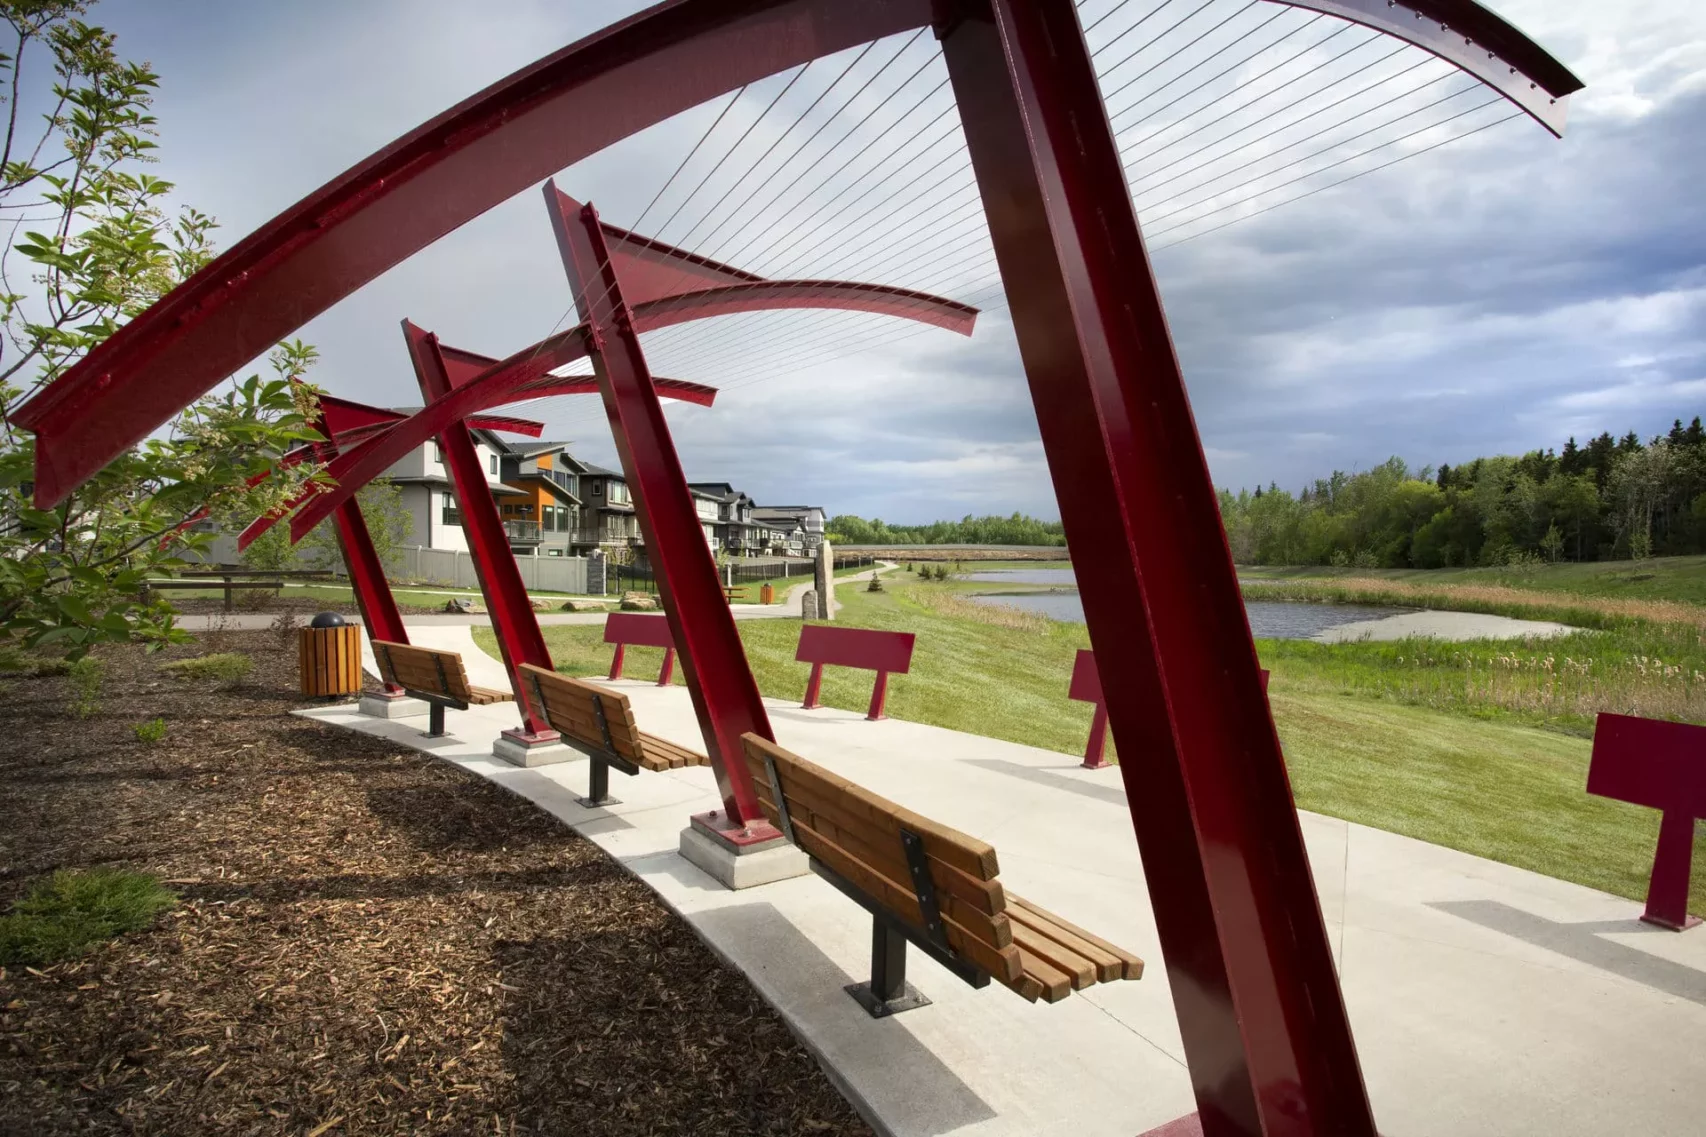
x: 516, y: 132
x: 1263, y: 1023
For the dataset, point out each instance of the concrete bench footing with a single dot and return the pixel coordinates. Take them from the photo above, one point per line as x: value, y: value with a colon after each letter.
x: 520, y: 749
x: 388, y: 707
x: 742, y: 866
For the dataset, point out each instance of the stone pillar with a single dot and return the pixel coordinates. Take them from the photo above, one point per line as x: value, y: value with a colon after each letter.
x: 808, y: 604
x: 595, y: 573
x: 824, y: 582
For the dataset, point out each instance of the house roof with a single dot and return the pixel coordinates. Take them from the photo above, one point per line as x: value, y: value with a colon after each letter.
x: 601, y: 472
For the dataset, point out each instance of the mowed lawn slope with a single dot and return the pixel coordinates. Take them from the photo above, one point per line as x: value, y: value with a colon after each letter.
x: 1487, y: 783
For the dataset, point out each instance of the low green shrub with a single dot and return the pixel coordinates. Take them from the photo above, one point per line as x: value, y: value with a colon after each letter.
x: 84, y: 676
x: 150, y: 733
x: 227, y: 667
x: 70, y: 912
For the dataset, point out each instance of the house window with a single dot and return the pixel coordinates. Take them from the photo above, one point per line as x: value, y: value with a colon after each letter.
x: 438, y: 453
x: 598, y: 489
x: 494, y: 463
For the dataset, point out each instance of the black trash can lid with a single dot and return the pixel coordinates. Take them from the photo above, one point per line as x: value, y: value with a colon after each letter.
x: 327, y: 620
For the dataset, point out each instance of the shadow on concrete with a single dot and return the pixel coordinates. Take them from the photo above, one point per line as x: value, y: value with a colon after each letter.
x: 1583, y: 942
x: 876, y: 1063
x: 1113, y: 795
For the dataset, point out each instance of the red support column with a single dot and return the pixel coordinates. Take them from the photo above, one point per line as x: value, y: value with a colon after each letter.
x: 513, y: 620
x: 373, y: 597
x: 725, y: 695
x: 1263, y: 1022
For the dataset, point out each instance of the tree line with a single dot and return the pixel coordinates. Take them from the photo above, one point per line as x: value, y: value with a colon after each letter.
x: 1018, y: 529
x: 1610, y: 499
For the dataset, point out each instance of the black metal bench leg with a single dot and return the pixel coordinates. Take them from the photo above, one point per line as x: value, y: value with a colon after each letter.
x: 888, y: 992
x: 435, y: 721
x: 598, y: 787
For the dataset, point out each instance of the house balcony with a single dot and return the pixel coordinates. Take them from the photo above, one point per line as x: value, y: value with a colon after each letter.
x: 522, y: 532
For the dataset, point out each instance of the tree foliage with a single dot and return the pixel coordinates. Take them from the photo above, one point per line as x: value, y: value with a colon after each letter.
x: 90, y: 245
x: 1612, y: 498
x: 1018, y: 529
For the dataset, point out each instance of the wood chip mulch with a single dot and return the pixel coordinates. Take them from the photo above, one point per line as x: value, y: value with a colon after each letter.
x: 368, y: 941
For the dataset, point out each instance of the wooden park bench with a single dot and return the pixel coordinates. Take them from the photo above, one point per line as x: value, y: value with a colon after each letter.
x: 600, y: 724
x: 435, y: 677
x: 927, y: 885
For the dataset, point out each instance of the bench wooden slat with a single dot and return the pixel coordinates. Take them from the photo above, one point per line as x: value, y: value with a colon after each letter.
x: 1002, y: 963
x: 569, y: 710
x: 1080, y: 970
x: 971, y: 914
x: 985, y: 896
x: 856, y: 834
x: 1113, y: 962
x: 942, y: 842
x: 661, y: 754
x: 483, y: 696
x: 417, y: 669
x: 1049, y: 982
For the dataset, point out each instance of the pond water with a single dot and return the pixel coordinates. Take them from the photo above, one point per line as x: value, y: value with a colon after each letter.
x: 1269, y: 619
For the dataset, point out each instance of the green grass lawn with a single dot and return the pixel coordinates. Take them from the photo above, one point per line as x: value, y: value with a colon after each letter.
x: 1503, y: 783
x: 1661, y: 578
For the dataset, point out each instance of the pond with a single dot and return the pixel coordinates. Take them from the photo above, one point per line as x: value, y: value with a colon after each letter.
x: 1269, y: 619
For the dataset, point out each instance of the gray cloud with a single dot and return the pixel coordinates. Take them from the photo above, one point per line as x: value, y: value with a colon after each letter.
x: 1493, y: 295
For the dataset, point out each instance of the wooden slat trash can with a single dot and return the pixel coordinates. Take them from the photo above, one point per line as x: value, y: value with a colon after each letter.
x: 329, y: 651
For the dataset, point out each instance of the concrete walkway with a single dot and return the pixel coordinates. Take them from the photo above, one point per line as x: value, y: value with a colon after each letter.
x: 1485, y: 999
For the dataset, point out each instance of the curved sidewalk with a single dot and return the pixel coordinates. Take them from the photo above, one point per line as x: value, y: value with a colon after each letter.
x: 1485, y: 999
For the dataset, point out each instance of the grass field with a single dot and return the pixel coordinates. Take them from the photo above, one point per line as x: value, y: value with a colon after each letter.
x: 1444, y: 743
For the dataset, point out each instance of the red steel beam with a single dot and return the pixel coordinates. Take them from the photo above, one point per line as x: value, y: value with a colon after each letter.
x: 1262, y: 1019
x: 513, y: 620
x: 725, y: 695
x: 362, y: 464
x: 539, y: 120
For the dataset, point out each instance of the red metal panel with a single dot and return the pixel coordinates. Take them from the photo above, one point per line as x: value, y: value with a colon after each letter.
x: 855, y: 647
x: 1086, y: 683
x: 623, y: 628
x: 1086, y: 687
x: 513, y: 621
x: 881, y: 652
x: 640, y: 630
x: 1661, y: 765
x: 1260, y: 1012
x: 725, y: 695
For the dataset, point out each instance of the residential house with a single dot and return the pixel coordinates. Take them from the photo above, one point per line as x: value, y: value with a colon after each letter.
x: 549, y: 477
x: 435, y: 521
x: 608, y: 521
x: 735, y: 532
x: 800, y: 528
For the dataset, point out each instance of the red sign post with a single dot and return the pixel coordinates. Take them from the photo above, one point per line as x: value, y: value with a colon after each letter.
x: 1661, y: 765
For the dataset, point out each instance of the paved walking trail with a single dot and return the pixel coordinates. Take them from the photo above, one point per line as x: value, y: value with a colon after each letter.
x: 1486, y: 1000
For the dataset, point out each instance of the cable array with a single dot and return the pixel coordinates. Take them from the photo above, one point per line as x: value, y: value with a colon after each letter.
x: 855, y: 168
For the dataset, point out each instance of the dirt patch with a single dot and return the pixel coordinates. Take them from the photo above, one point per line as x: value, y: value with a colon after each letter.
x: 369, y: 941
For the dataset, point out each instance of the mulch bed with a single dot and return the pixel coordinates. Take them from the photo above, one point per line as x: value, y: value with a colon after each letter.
x: 368, y: 941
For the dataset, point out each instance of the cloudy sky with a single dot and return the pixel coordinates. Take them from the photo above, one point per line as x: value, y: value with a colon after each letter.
x: 1492, y: 291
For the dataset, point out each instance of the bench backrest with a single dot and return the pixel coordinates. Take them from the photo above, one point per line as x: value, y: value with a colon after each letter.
x: 637, y: 629
x: 1661, y: 765
x: 588, y: 716
x: 423, y: 669
x: 855, y: 647
x: 864, y: 838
